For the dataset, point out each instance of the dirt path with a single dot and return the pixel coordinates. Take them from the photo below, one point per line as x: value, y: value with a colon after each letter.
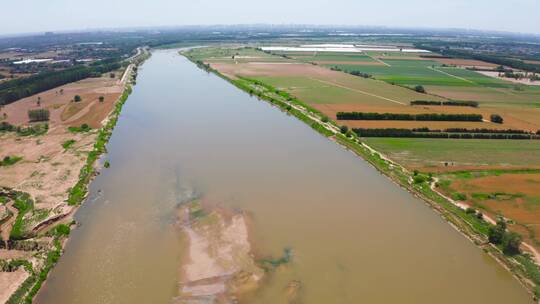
x: 453, y: 76
x: 472, y: 82
x: 357, y: 91
x: 379, y: 60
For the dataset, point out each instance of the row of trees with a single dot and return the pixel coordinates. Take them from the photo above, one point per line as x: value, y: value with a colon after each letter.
x: 353, y: 72
x: 505, y: 61
x: 38, y: 115
x: 16, y: 89
x: 408, y: 133
x: 402, y: 116
x: 481, y: 131
x: 473, y: 104
x: 35, y: 129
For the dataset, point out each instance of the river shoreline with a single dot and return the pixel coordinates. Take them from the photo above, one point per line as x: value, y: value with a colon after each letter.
x: 35, y: 281
x: 394, y: 171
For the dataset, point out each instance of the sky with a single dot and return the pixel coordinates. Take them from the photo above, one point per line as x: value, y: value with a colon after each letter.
x: 24, y: 16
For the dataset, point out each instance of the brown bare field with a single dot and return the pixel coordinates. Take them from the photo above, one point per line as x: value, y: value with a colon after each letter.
x: 63, y: 111
x: 532, y: 61
x: 349, y: 62
x: 11, y: 55
x: 518, y: 198
x: 10, y: 281
x: 266, y: 69
x: 465, y: 62
x: 47, y: 170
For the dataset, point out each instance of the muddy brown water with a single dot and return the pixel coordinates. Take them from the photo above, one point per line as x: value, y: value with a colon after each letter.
x: 356, y: 236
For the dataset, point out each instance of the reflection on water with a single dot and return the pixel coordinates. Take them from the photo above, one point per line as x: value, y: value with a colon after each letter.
x: 356, y: 237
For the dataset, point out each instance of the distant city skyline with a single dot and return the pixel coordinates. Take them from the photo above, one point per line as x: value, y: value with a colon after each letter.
x: 29, y: 16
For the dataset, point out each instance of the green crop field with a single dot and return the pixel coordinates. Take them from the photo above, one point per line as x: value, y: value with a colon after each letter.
x: 346, y: 89
x: 420, y: 152
x: 407, y: 72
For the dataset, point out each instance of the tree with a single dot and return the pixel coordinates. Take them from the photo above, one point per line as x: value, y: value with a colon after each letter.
x: 38, y: 101
x: 511, y: 243
x: 325, y: 119
x: 101, y: 98
x: 344, y: 129
x: 420, y: 89
x: 77, y: 98
x: 496, y: 233
x: 496, y: 118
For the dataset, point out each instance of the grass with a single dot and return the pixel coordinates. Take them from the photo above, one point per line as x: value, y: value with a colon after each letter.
x: 24, y: 204
x: 68, y: 143
x: 10, y: 161
x: 431, y: 152
x: 82, y: 129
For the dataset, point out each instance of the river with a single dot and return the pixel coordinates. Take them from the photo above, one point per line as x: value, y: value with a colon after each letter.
x: 356, y: 237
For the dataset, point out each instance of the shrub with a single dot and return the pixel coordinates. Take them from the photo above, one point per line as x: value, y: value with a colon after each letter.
x: 325, y: 119
x: 418, y: 179
x: 470, y: 210
x: 83, y: 128
x: 459, y: 196
x: 61, y: 230
x: 496, y: 118
x: 101, y: 99
x: 77, y: 98
x: 344, y: 129
x: 419, y: 89
x: 38, y: 115
x: 107, y: 164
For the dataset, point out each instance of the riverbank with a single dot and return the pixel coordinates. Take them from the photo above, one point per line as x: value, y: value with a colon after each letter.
x: 50, y: 183
x: 474, y: 228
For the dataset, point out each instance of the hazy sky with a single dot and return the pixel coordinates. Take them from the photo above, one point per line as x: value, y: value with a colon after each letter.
x: 49, y: 15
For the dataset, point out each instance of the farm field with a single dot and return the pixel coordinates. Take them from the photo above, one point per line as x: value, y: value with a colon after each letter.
x: 333, y: 91
x: 428, y: 154
x: 513, y: 194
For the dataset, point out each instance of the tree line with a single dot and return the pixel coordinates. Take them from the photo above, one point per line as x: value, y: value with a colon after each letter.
x: 408, y: 133
x: 463, y: 130
x: 473, y: 104
x: 514, y: 63
x: 13, y: 90
x: 403, y: 116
